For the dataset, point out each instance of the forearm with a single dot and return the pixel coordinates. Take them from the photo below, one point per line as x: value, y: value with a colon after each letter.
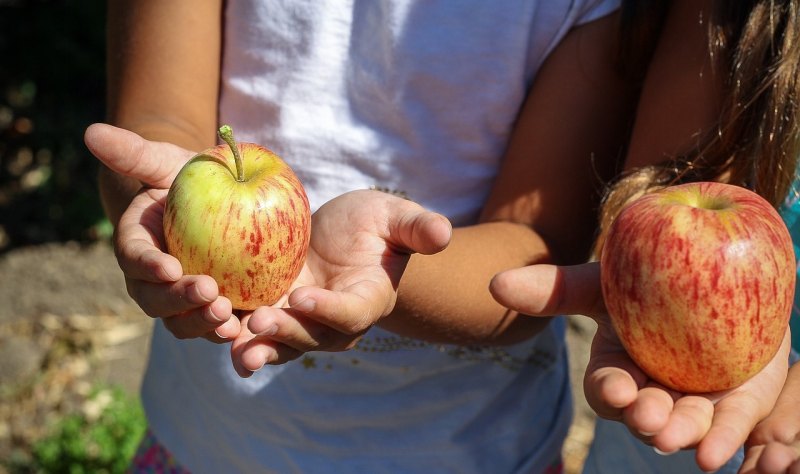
x: 444, y: 298
x: 542, y: 208
x: 163, y: 74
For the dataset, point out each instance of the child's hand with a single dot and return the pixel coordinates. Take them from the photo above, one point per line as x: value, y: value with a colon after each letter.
x: 189, y: 305
x: 774, y: 445
x: 716, y: 424
x: 360, y: 245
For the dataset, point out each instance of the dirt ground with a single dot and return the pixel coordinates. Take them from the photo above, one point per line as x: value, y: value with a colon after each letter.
x: 67, y: 323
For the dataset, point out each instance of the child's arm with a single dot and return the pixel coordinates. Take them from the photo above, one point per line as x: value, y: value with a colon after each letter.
x: 163, y: 75
x: 567, y: 141
x: 679, y: 102
x: 360, y: 245
x: 616, y: 389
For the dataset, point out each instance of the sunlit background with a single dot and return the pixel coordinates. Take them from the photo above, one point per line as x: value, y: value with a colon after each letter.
x: 71, y: 343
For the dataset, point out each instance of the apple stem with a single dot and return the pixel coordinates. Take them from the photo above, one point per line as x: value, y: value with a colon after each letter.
x: 226, y: 133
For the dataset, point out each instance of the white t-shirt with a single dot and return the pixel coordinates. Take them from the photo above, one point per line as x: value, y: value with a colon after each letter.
x: 415, y: 96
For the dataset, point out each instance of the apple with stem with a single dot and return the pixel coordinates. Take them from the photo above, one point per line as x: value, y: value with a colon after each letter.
x: 698, y: 280
x: 238, y: 213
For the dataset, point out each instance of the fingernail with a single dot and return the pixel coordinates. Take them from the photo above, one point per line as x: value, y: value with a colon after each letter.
x: 645, y: 433
x: 215, y: 316
x: 306, y: 305
x: 663, y: 453
x: 230, y: 326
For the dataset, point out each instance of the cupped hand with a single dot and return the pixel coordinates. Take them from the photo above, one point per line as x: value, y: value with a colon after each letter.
x: 716, y: 424
x: 360, y: 244
x: 774, y: 445
x: 189, y: 305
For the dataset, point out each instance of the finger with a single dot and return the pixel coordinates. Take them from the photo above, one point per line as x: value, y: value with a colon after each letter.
x: 352, y: 310
x: 650, y: 412
x: 153, y: 163
x: 737, y: 413
x: 609, y: 390
x: 732, y: 422
x: 140, y: 260
x: 228, y: 330
x: 550, y: 290
x: 204, y: 322
x: 752, y: 458
x: 250, y: 353
x: 137, y: 243
x: 772, y: 458
x: 783, y: 423
x: 167, y: 299
x: 262, y: 351
x: 416, y: 229
x: 688, y: 423
x: 612, y: 380
x: 297, y: 331
x: 239, y: 343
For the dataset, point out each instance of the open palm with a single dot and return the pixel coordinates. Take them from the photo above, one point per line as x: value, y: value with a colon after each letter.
x: 717, y: 424
x: 189, y: 305
x: 360, y: 245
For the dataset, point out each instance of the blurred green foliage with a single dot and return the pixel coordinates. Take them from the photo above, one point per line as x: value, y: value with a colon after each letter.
x: 52, y: 85
x: 102, y: 438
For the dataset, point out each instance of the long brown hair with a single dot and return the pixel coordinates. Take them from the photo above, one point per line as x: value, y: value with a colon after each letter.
x: 756, y: 141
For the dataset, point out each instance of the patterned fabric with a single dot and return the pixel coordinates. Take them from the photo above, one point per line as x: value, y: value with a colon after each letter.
x: 153, y: 458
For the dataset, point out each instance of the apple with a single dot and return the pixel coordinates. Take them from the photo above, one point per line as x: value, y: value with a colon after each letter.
x: 698, y: 280
x: 238, y: 213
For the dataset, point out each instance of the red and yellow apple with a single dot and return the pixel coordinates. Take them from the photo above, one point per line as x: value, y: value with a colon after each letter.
x: 238, y: 213
x: 698, y: 280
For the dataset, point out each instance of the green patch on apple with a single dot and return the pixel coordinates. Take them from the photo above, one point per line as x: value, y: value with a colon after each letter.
x: 238, y: 213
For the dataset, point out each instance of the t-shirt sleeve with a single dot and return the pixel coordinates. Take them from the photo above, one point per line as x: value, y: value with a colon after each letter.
x: 594, y: 9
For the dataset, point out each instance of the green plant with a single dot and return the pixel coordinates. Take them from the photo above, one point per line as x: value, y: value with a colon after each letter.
x: 100, y: 438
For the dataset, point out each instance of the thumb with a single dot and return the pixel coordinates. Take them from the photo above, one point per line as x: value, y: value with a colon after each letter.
x: 153, y: 163
x: 550, y: 290
x: 418, y: 230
